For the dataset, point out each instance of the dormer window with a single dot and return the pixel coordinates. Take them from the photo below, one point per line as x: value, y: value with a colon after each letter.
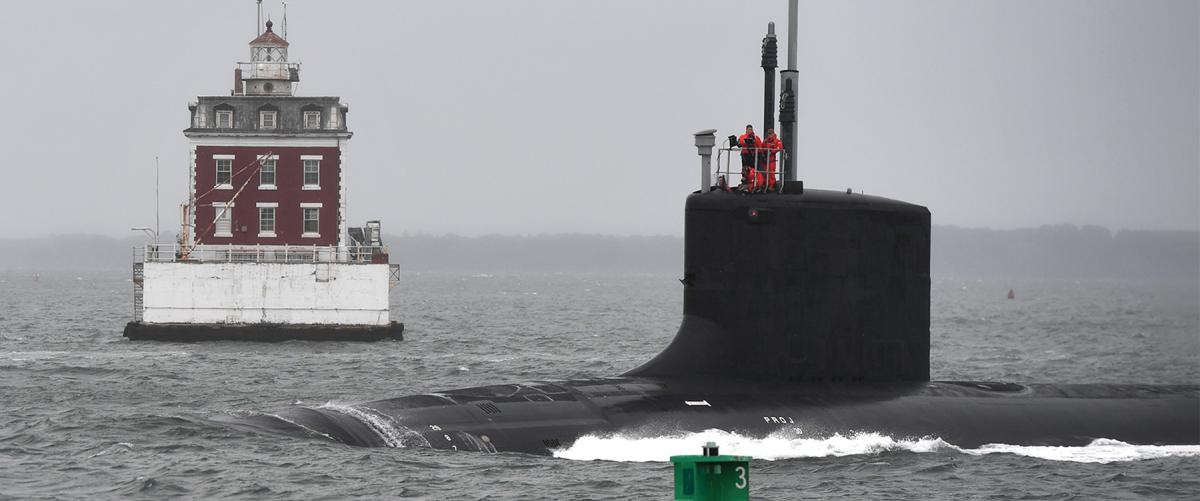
x: 267, y: 119
x: 312, y: 120
x: 224, y: 119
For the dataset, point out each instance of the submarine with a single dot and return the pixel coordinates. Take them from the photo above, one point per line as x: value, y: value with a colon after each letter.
x: 804, y: 310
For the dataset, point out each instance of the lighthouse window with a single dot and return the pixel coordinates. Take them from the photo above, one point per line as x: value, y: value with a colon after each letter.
x: 266, y: 221
x: 224, y: 119
x: 224, y: 172
x: 312, y: 224
x: 266, y: 175
x: 312, y: 173
x: 222, y: 220
x: 312, y: 120
x: 266, y: 119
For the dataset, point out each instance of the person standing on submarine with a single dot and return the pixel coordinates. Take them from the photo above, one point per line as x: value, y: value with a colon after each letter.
x: 772, y: 145
x: 750, y: 144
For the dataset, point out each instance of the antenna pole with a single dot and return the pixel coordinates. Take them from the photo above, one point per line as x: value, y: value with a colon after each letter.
x: 770, y: 61
x: 285, y: 20
x: 156, y: 205
x: 789, y: 98
x: 258, y: 21
x: 791, y: 56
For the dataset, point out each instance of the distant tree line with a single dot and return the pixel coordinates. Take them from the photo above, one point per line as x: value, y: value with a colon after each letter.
x: 1060, y: 250
x: 1066, y: 250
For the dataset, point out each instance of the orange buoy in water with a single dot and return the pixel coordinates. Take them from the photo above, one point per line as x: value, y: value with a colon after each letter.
x: 1011, y: 295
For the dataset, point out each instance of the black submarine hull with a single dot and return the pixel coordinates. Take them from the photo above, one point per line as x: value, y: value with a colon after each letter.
x: 804, y: 311
x: 538, y: 418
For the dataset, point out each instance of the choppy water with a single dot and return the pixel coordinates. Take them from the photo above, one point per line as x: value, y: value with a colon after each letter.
x: 87, y: 414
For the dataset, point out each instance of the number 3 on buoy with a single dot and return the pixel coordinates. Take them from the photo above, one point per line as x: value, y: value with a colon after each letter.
x: 741, y: 481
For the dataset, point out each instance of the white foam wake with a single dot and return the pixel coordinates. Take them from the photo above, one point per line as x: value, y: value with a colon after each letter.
x: 782, y: 445
x: 791, y: 444
x: 1099, y: 451
x: 392, y: 433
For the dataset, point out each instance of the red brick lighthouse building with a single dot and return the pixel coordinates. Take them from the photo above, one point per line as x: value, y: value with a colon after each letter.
x: 266, y: 163
x: 265, y: 252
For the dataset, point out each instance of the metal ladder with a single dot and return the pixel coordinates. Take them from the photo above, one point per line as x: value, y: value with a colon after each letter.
x: 138, y: 275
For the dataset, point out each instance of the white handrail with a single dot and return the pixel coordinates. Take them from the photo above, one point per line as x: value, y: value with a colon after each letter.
x: 760, y: 166
x: 257, y: 253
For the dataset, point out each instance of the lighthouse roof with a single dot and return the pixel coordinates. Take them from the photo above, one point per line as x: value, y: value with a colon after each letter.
x: 269, y: 38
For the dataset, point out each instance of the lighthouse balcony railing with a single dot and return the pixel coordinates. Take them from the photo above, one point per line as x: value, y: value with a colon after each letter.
x: 765, y: 164
x: 232, y: 253
x: 261, y: 70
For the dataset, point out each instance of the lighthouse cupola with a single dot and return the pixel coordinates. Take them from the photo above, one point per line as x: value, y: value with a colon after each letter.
x: 268, y: 73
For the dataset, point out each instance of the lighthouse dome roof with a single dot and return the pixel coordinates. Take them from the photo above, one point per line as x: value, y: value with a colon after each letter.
x: 269, y: 38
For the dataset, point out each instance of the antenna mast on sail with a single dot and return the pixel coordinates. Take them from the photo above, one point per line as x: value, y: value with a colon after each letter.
x: 789, y: 98
x: 157, y: 222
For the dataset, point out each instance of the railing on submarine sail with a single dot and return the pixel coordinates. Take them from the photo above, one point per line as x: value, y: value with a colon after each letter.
x: 229, y: 253
x: 766, y: 164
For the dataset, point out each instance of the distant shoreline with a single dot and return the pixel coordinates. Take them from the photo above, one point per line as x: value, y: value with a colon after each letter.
x: 1054, y: 251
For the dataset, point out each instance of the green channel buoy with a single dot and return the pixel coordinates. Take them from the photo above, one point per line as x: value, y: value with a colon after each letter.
x: 711, y: 476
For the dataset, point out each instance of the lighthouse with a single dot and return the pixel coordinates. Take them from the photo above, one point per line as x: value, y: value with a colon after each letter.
x: 279, y: 153
x: 264, y: 251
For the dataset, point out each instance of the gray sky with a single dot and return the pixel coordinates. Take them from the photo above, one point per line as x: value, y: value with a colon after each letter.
x: 526, y: 117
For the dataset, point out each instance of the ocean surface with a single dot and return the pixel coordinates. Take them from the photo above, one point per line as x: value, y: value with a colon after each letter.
x: 85, y: 414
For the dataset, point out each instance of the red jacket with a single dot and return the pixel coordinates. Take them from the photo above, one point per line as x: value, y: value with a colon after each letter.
x: 773, y: 146
x: 747, y: 141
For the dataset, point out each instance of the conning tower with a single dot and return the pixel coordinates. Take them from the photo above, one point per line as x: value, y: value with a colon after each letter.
x: 802, y: 286
x: 788, y: 284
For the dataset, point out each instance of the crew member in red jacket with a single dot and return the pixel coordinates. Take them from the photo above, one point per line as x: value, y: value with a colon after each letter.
x: 750, y: 144
x: 773, y: 146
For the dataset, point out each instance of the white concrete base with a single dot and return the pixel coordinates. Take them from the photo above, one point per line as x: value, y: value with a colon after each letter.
x: 272, y: 293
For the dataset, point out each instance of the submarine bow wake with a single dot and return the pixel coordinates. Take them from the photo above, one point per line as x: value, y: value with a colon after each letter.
x: 792, y: 444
